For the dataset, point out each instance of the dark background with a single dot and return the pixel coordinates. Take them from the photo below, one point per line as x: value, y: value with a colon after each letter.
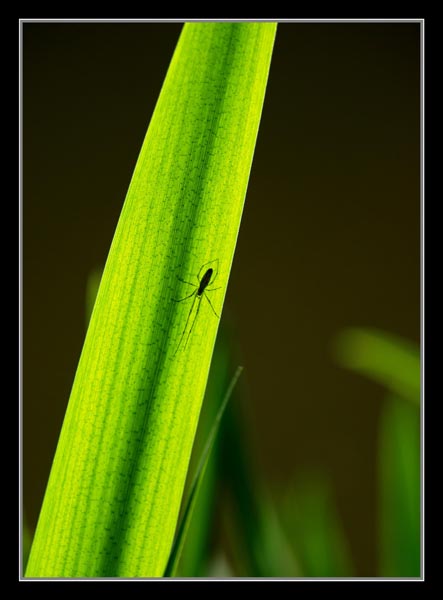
x: 330, y: 235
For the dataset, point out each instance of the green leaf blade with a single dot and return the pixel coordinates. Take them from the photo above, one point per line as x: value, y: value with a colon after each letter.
x: 385, y: 358
x: 171, y: 568
x: 314, y: 527
x: 115, y: 487
x: 399, y: 490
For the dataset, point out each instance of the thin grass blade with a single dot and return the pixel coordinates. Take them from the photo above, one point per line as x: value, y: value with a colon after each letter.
x: 177, y: 548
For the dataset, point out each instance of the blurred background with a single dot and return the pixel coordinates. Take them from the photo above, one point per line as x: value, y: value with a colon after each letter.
x: 326, y: 275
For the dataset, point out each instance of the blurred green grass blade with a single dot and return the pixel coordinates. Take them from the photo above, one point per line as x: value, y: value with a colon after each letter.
x: 194, y: 558
x: 385, y: 358
x: 196, y: 554
x: 174, y: 558
x: 219, y: 567
x: 258, y: 542
x: 399, y: 489
x: 115, y: 488
x: 314, y: 528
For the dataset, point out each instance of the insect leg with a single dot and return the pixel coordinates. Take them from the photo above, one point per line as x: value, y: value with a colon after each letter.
x: 188, y: 282
x: 210, y: 304
x: 216, y: 271
x: 187, y: 321
x: 186, y: 297
x: 195, y: 318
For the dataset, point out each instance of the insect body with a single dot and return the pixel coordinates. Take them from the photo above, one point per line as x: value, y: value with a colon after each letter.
x: 204, y: 281
x: 200, y: 291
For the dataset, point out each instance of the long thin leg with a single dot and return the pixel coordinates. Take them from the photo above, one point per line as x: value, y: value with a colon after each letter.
x: 216, y: 272
x: 188, y: 282
x: 186, y: 297
x: 213, y: 289
x: 187, y: 321
x: 210, y: 304
x: 195, y: 318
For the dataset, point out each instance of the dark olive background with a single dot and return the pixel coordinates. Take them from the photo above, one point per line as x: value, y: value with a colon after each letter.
x: 330, y: 235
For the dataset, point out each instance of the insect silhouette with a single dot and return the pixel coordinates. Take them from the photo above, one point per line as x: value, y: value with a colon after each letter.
x: 205, y: 277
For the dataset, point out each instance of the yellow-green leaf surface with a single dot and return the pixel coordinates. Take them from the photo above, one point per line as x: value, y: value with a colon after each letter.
x: 115, y: 488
